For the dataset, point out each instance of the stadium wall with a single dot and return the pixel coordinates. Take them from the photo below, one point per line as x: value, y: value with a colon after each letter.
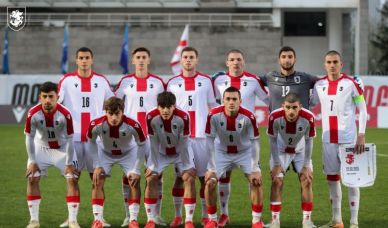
x: 19, y: 92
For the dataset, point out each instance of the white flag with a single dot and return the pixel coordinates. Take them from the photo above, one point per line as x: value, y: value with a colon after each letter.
x: 183, y: 42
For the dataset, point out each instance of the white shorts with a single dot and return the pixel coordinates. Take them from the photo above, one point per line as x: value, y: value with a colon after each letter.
x: 85, y: 160
x: 198, y: 146
x: 287, y: 158
x: 126, y: 161
x: 331, y: 158
x: 166, y: 160
x: 226, y: 162
x: 46, y: 157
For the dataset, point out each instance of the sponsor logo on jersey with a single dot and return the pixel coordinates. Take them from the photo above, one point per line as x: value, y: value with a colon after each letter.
x: 350, y: 158
x: 76, y: 85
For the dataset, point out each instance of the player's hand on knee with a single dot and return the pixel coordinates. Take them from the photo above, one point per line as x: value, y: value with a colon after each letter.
x: 360, y: 144
x: 98, y: 173
x: 148, y: 172
x: 276, y: 170
x: 187, y: 174
x: 211, y: 178
x: 71, y: 171
x: 32, y: 169
x: 134, y: 179
x: 306, y: 174
x: 255, y: 179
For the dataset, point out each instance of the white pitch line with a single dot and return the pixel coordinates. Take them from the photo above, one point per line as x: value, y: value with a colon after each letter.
x: 382, y: 155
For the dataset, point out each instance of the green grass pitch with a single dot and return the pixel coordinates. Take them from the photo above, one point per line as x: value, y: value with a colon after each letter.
x: 14, y: 213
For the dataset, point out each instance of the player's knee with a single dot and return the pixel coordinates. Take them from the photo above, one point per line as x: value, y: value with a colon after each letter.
x: 277, y: 182
x: 33, y: 181
x: 152, y: 180
x: 188, y: 178
x: 211, y: 184
x: 304, y: 181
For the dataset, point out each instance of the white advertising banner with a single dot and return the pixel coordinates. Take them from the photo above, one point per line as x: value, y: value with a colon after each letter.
x: 358, y: 170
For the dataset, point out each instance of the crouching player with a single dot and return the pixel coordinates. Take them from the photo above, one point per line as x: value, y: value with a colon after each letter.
x: 49, y: 142
x: 232, y: 141
x: 169, y: 131
x: 116, y: 131
x: 291, y: 130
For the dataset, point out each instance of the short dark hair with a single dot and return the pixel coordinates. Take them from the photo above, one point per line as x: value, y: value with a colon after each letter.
x: 232, y: 89
x: 141, y: 49
x: 291, y: 98
x: 333, y: 52
x: 166, y: 99
x: 84, y: 49
x: 285, y: 49
x: 48, y: 87
x: 114, y: 104
x: 234, y: 51
x: 188, y: 48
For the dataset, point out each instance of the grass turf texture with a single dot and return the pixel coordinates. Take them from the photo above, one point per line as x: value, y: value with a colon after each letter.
x: 53, y: 210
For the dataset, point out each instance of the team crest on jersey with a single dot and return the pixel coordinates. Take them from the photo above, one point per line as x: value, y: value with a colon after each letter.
x: 300, y: 129
x: 41, y: 122
x: 124, y: 134
x: 226, y: 82
x: 245, y: 83
x: 239, y: 125
x: 174, y: 126
x: 323, y: 89
x: 350, y: 158
x: 76, y: 85
x: 222, y: 124
x: 282, y: 127
x: 180, y: 85
x: 199, y: 84
x: 57, y: 122
x: 297, y: 79
x: 95, y: 85
x: 131, y: 85
x: 104, y: 132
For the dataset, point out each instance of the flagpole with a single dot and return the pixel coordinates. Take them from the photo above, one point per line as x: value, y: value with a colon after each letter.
x: 65, y: 44
x: 124, y: 50
x: 5, y: 53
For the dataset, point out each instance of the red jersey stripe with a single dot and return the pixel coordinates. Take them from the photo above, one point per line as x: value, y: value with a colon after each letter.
x: 85, y: 121
x: 333, y: 126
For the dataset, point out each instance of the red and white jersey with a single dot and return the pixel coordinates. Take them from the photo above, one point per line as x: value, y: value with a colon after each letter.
x: 338, y: 108
x: 233, y: 134
x: 84, y: 97
x: 250, y: 86
x: 50, y: 130
x: 116, y: 140
x: 291, y: 135
x: 195, y: 95
x: 140, y: 95
x: 168, y: 135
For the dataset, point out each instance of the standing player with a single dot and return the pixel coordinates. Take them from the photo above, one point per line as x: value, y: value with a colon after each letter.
x: 232, y: 141
x: 116, y: 146
x: 251, y: 87
x: 339, y: 96
x: 291, y: 130
x: 195, y: 95
x: 83, y: 92
x: 49, y: 135
x: 169, y: 130
x: 139, y: 90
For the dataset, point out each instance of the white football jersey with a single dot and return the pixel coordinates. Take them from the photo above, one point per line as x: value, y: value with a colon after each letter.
x: 84, y: 97
x: 140, y: 95
x: 167, y: 135
x: 338, y: 108
x: 50, y: 130
x: 250, y: 86
x: 232, y: 134
x: 290, y: 135
x: 195, y: 95
x: 116, y: 140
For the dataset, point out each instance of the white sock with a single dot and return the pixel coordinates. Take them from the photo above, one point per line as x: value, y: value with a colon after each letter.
x: 204, y: 208
x: 256, y: 213
x: 97, y: 212
x: 150, y: 204
x: 336, y: 197
x: 160, y: 197
x: 354, y: 203
x: 189, y: 208
x: 134, y: 207
x: 126, y: 191
x: 276, y: 207
x: 73, y: 207
x: 224, y: 192
x: 33, y: 203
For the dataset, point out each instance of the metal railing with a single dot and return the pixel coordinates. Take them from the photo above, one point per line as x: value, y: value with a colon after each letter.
x: 148, y: 19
